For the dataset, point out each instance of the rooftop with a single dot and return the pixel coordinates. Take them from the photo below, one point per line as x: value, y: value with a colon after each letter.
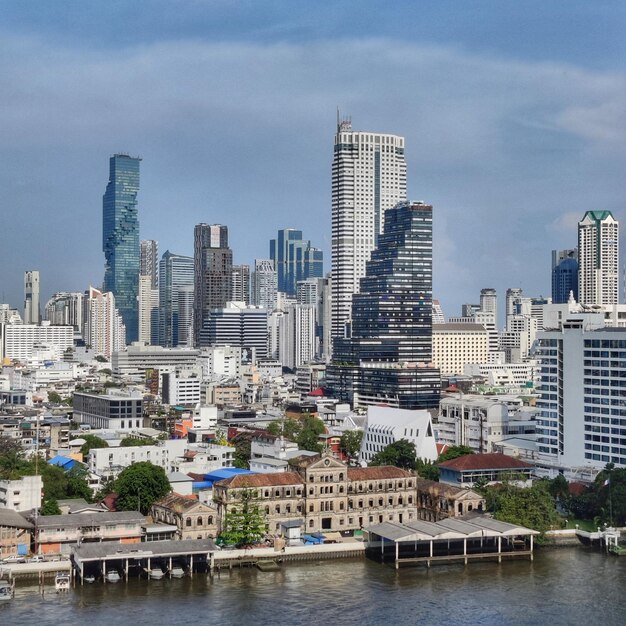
x: 377, y: 473
x: 262, y: 480
x: 491, y: 461
x: 90, y: 519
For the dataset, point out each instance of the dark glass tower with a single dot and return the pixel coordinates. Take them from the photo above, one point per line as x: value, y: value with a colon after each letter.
x: 120, y: 239
x: 388, y: 356
x: 564, y: 275
x: 294, y: 260
x: 175, y: 273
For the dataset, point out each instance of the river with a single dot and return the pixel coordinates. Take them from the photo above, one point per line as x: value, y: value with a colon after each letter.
x: 561, y: 586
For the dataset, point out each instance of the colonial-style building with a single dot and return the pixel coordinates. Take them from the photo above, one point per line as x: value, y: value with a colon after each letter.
x: 436, y: 501
x: 193, y: 519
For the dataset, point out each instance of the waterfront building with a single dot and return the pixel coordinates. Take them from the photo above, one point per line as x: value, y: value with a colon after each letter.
x: 15, y: 534
x: 264, y: 284
x: 120, y: 239
x: 105, y: 331
x: 437, y: 501
x: 388, y: 357
x: 110, y: 411
x: 582, y: 421
x: 32, y: 308
x: 598, y: 258
x: 213, y: 263
x: 469, y: 469
x: 240, y: 288
x: 387, y: 425
x: 294, y: 260
x: 193, y: 519
x: 368, y: 177
x: 456, y: 345
x: 564, y: 275
x: 176, y: 274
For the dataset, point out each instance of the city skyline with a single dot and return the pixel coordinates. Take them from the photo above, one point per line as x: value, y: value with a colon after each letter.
x: 512, y: 140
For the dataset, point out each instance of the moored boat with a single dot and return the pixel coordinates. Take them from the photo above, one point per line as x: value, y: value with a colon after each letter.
x: 62, y: 582
x: 112, y: 576
x: 177, y: 571
x: 6, y: 590
x: 156, y: 573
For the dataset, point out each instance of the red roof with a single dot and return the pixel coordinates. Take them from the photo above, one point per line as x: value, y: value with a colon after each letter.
x: 277, y: 479
x: 316, y: 392
x: 491, y: 461
x: 383, y: 472
x: 441, y: 448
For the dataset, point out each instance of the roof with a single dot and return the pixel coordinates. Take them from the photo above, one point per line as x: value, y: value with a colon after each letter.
x: 262, y: 480
x: 304, y: 460
x: 76, y: 505
x: 225, y: 472
x: 377, y: 473
x: 88, y: 519
x: 179, y: 477
x: 178, y: 503
x: 455, y: 326
x: 64, y: 462
x: 13, y: 519
x: 488, y: 461
x: 114, y: 550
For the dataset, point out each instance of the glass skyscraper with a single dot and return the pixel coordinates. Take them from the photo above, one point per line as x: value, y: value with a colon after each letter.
x: 295, y: 260
x: 120, y: 239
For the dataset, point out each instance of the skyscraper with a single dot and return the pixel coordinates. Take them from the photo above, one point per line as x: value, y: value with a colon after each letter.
x: 32, y: 309
x: 388, y: 358
x: 104, y: 328
x: 149, y: 261
x: 120, y: 239
x: 213, y: 264
x: 564, y: 275
x: 241, y: 283
x: 264, y: 284
x: 175, y: 273
x: 294, y: 259
x: 598, y: 258
x: 368, y: 177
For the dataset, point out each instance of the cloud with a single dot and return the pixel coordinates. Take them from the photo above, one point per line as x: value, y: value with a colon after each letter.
x: 241, y: 133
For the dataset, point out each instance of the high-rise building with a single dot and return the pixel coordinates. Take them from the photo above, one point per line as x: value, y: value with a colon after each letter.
x: 489, y: 302
x: 264, y: 284
x: 294, y: 260
x: 598, y: 258
x: 105, y: 332
x: 240, y: 289
x: 176, y: 272
x: 564, y: 275
x: 149, y: 261
x: 213, y: 264
x: 368, y: 177
x: 388, y: 358
x: 67, y: 309
x: 148, y: 305
x: 32, y: 309
x: 120, y: 239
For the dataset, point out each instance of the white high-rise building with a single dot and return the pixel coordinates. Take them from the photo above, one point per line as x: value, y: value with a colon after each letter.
x: 67, y: 308
x: 145, y: 308
x: 32, y: 310
x: 264, y: 284
x: 598, y: 258
x: 105, y: 332
x: 368, y: 177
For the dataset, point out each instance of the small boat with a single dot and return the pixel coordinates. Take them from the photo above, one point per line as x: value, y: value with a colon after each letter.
x: 6, y: 590
x: 62, y: 582
x: 156, y: 573
x: 90, y: 578
x: 177, y: 571
x: 112, y: 576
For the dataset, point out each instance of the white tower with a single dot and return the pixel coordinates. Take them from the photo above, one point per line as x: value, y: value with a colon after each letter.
x: 368, y: 177
x: 32, y: 311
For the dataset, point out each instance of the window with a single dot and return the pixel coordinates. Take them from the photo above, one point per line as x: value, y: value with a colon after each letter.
x: 199, y: 522
x: 210, y: 520
x: 188, y: 522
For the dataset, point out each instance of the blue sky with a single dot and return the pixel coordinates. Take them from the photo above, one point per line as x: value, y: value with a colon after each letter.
x: 514, y: 115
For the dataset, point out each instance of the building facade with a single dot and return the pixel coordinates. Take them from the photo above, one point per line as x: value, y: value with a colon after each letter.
x: 176, y: 272
x: 264, y: 284
x: 564, y: 275
x: 368, y: 177
x: 120, y: 239
x: 32, y: 307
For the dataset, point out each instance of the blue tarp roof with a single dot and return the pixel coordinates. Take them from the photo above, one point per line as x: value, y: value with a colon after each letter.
x: 62, y: 461
x: 202, y: 484
x: 313, y: 539
x: 225, y: 472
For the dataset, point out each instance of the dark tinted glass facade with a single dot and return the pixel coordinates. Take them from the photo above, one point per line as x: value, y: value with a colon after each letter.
x: 294, y: 260
x: 120, y: 239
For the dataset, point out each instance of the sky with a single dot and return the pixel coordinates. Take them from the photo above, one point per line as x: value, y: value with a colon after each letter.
x: 514, y: 115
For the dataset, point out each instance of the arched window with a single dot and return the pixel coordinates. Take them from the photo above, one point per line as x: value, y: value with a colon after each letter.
x: 199, y: 522
x: 341, y: 476
x: 188, y: 522
x: 210, y: 520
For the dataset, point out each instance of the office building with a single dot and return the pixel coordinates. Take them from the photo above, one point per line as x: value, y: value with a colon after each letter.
x: 213, y: 264
x: 456, y: 345
x: 388, y: 357
x: 120, y: 239
x: 32, y: 309
x: 240, y: 289
x: 294, y: 260
x: 564, y: 275
x: 264, y: 284
x: 176, y: 273
x: 368, y: 177
x: 149, y: 261
x: 109, y: 411
x: 598, y: 258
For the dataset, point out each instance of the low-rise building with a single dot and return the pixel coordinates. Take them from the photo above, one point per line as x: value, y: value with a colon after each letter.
x: 23, y: 494
x: 437, y: 501
x: 111, y: 411
x: 15, y: 534
x: 193, y: 519
x: 467, y: 470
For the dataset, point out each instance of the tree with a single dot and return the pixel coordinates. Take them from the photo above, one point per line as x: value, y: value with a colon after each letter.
x: 54, y: 397
x: 453, y: 452
x: 77, y: 483
x: 351, y: 443
x: 140, y: 485
x: 128, y: 442
x: 427, y: 470
x: 243, y: 452
x: 400, y: 453
x: 308, y: 437
x: 92, y: 441
x: 11, y: 458
x: 244, y: 524
x: 101, y: 359
x: 50, y: 507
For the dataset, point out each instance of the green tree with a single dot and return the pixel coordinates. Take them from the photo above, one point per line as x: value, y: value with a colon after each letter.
x: 400, y: 453
x: 308, y: 437
x: 351, y: 443
x: 92, y: 441
x: 101, y: 359
x: 54, y: 397
x: 243, y: 445
x: 11, y: 458
x: 244, y: 523
x: 128, y: 442
x: 50, y: 507
x: 453, y: 452
x: 78, y: 483
x: 427, y: 470
x: 140, y: 485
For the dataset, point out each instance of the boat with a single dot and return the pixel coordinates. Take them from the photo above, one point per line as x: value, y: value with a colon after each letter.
x: 6, y: 590
x: 112, y: 576
x: 177, y: 571
x: 62, y: 582
x: 156, y: 573
x: 89, y: 579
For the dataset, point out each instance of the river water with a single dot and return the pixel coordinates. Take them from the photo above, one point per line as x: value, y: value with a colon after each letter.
x: 561, y: 586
